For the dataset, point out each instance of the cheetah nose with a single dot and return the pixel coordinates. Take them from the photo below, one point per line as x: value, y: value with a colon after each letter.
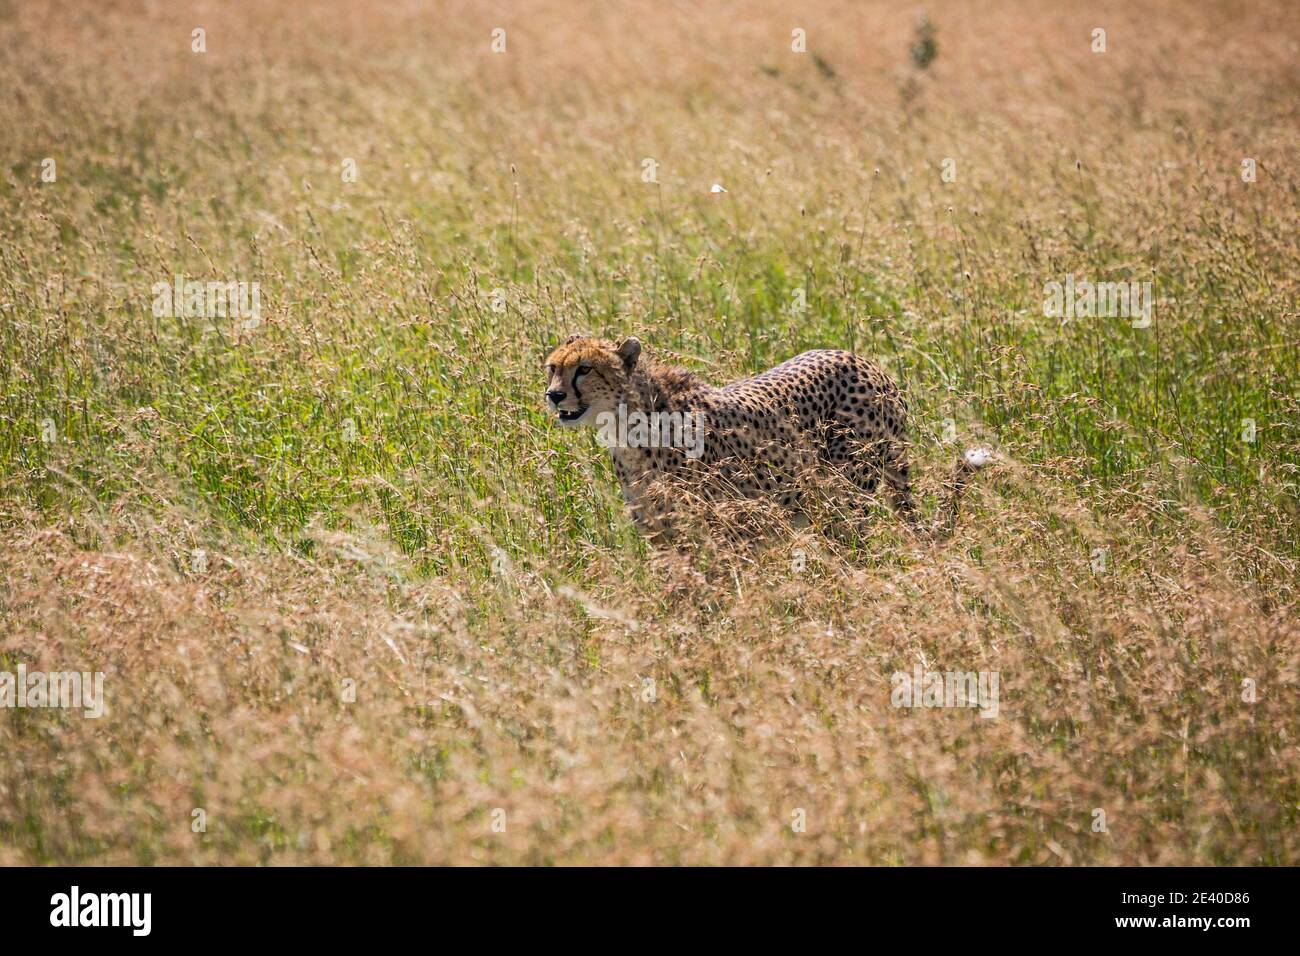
x: 555, y: 395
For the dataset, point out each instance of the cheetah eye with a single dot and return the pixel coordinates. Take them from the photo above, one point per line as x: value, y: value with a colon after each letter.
x: 583, y: 369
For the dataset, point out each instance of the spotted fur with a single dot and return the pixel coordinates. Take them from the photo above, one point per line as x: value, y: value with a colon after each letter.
x: 764, y: 436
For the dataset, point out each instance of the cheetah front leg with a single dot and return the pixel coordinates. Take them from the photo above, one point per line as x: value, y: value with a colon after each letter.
x: 649, y: 507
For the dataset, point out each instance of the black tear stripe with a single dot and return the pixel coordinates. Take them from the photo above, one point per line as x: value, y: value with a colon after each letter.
x: 577, y: 392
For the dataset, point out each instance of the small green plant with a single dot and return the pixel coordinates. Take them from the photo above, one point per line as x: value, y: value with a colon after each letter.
x: 924, y: 48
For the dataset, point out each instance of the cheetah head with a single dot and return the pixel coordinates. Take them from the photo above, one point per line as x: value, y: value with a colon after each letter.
x: 587, y: 377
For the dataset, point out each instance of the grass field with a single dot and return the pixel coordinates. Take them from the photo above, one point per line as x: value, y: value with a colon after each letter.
x: 358, y: 600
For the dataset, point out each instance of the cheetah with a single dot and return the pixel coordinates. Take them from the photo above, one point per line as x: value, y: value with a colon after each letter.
x: 672, y: 435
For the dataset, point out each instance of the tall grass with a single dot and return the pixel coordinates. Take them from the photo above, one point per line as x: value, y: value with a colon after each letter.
x: 380, y: 497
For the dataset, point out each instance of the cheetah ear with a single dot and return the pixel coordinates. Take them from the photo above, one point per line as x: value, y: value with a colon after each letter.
x: 629, y: 351
x: 571, y: 339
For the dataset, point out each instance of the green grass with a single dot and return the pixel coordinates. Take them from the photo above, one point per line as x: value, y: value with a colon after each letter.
x: 356, y: 464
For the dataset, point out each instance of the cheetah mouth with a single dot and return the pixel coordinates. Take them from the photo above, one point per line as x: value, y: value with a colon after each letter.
x: 572, y: 415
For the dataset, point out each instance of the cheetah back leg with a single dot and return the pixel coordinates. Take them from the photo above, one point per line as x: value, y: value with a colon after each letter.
x: 867, y: 457
x: 897, y: 472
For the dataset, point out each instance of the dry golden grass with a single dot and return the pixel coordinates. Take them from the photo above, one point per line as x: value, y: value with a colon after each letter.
x: 467, y: 567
